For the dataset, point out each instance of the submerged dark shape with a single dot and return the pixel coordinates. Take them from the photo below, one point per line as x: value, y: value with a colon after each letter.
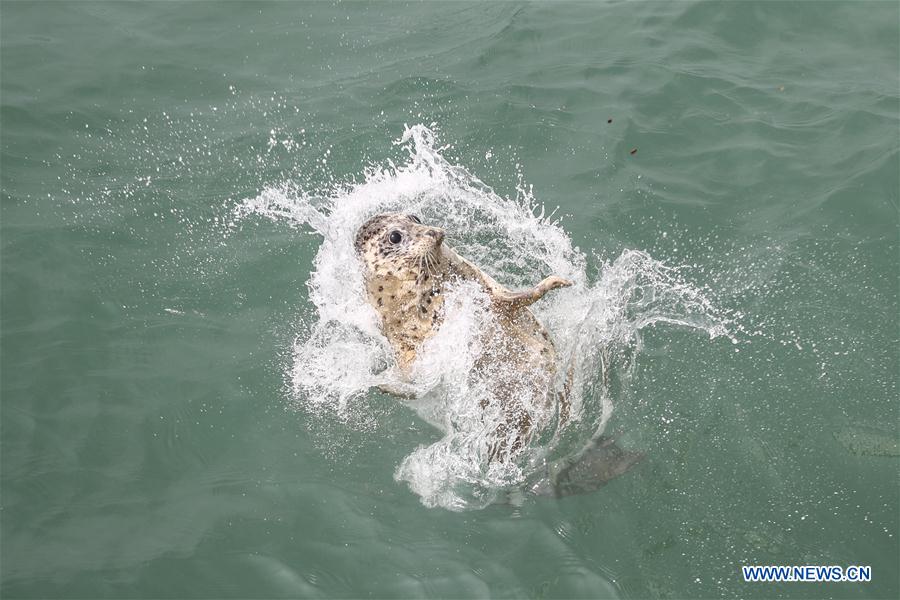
x: 863, y: 440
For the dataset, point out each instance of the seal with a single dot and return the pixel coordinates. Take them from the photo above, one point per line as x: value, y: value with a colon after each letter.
x: 407, y: 268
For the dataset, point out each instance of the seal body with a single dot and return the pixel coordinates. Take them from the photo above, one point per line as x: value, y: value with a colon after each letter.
x: 407, y: 266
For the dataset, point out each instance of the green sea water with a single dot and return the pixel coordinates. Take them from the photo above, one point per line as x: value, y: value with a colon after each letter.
x: 151, y: 441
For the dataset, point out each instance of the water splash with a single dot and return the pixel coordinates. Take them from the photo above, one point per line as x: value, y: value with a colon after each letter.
x: 595, y: 324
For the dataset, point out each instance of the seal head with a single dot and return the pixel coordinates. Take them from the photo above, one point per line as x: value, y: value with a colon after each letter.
x: 404, y: 269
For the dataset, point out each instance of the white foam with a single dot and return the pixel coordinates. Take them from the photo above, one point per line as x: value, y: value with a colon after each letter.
x: 595, y: 324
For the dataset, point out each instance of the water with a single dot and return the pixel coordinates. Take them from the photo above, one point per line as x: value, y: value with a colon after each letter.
x: 186, y: 358
x: 344, y: 354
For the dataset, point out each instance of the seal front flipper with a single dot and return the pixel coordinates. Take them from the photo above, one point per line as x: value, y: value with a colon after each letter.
x: 404, y: 391
x: 529, y: 297
x: 524, y: 298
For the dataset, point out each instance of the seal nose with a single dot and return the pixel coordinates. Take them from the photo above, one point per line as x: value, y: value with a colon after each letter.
x: 437, y: 234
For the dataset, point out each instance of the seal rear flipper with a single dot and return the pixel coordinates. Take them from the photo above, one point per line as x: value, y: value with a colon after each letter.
x: 598, y: 464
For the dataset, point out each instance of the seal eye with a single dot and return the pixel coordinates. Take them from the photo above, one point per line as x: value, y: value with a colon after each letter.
x: 395, y: 237
x: 415, y: 219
